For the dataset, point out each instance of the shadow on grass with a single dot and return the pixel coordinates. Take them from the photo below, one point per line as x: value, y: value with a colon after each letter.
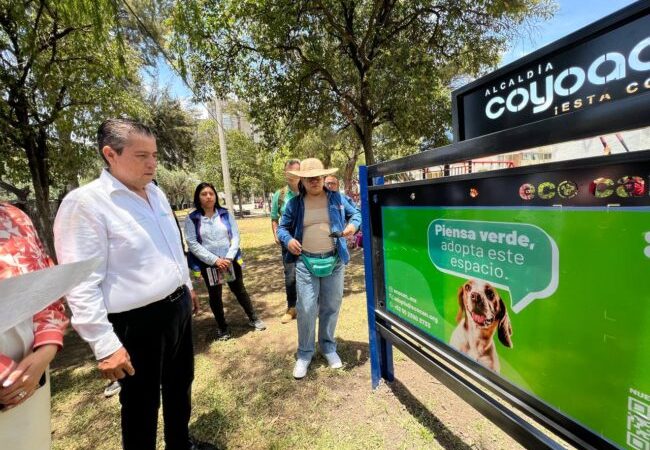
x: 208, y: 427
x: 355, y: 274
x: 263, y: 270
x: 76, y: 353
x: 66, y: 381
x: 255, y: 385
x: 443, y: 435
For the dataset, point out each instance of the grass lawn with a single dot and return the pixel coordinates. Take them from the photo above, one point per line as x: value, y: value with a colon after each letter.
x: 244, y: 395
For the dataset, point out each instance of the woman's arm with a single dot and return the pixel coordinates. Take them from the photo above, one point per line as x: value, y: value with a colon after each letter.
x: 19, y: 381
x: 286, y: 228
x: 352, y: 217
x: 234, y: 240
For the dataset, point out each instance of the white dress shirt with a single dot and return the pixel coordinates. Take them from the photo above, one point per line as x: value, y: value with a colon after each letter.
x: 139, y: 243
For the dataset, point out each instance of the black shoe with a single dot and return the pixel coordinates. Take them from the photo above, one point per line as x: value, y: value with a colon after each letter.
x: 198, y: 445
x: 222, y: 335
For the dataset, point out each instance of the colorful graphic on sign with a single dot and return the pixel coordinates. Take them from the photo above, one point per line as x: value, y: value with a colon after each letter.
x: 554, y: 300
x: 521, y: 258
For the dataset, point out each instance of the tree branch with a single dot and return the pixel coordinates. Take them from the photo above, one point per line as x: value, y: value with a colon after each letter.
x: 327, y: 76
x: 20, y: 193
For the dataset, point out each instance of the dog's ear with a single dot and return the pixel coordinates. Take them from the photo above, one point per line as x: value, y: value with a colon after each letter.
x: 461, y: 304
x: 505, y: 328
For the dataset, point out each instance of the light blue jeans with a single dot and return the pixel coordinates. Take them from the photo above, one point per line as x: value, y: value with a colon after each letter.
x: 318, y: 298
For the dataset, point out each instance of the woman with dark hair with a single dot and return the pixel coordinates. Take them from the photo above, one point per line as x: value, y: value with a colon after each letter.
x: 213, y: 241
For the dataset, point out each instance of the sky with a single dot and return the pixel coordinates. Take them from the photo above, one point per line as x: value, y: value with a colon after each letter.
x: 570, y: 16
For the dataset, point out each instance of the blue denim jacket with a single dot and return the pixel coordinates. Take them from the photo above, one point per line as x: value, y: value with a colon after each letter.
x: 341, y: 212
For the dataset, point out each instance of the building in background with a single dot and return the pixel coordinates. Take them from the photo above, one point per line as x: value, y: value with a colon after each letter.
x: 235, y: 117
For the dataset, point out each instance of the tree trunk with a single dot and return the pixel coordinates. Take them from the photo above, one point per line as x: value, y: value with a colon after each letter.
x: 366, y: 141
x: 348, y: 172
x: 239, y: 195
x: 37, y: 158
x: 327, y: 159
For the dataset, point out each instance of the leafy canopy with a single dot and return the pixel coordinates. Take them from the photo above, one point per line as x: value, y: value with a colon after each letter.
x: 357, y: 64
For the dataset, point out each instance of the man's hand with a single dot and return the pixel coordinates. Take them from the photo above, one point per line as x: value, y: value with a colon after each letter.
x: 349, y: 230
x: 295, y: 247
x: 274, y: 227
x: 116, y: 366
x: 196, y: 309
x: 22, y: 382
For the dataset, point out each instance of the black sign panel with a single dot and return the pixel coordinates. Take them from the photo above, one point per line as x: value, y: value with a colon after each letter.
x: 603, y: 64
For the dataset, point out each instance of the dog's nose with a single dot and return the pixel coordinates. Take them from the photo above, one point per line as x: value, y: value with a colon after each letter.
x: 476, y: 298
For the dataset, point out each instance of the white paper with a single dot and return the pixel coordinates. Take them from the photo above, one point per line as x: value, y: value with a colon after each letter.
x: 24, y: 295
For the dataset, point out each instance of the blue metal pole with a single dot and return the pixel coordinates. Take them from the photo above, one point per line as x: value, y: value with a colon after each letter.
x: 381, y: 354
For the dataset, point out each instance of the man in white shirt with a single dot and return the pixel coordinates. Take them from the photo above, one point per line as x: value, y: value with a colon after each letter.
x: 135, y: 309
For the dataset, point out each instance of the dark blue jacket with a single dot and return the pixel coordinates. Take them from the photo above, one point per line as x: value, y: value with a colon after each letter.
x: 341, y: 212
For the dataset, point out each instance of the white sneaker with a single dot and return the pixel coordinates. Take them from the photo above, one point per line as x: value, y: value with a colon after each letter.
x: 113, y: 388
x: 300, y: 369
x: 333, y: 360
x: 257, y: 324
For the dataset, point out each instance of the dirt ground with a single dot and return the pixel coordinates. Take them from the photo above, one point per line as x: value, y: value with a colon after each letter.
x: 244, y: 395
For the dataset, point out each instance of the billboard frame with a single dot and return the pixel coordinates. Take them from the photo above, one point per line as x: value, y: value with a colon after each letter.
x: 459, y: 373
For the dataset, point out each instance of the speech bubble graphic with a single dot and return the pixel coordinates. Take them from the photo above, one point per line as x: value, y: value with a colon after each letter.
x: 520, y: 258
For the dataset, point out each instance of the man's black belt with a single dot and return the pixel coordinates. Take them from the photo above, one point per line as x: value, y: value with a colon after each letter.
x: 177, y: 294
x: 319, y: 255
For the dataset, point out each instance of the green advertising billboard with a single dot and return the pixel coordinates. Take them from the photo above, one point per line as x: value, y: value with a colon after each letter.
x: 555, y: 300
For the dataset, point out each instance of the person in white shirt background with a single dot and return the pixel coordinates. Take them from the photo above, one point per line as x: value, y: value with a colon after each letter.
x: 135, y: 309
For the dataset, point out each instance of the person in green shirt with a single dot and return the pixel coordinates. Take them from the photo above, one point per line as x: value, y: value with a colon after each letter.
x: 278, y: 203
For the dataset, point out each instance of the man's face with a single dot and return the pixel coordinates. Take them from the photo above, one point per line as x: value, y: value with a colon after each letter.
x: 332, y: 183
x: 135, y: 167
x: 292, y: 180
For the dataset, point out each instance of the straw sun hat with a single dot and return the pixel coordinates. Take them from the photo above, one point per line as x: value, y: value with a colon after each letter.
x: 312, y: 167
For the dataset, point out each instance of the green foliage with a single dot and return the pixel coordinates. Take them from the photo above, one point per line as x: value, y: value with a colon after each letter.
x: 251, y: 167
x: 178, y: 185
x: 175, y: 129
x: 346, y: 64
x: 243, y: 161
x: 207, y: 162
x: 63, y: 68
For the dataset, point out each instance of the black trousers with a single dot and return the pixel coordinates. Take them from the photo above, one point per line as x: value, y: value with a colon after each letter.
x: 236, y: 287
x: 289, y: 280
x: 158, y: 338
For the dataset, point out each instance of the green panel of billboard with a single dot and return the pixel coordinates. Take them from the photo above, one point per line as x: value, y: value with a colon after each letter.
x: 557, y: 301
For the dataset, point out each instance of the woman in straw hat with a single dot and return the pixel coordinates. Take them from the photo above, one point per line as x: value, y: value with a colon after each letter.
x: 313, y: 228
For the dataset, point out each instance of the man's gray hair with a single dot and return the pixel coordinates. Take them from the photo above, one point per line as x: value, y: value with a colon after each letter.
x: 291, y: 162
x: 115, y: 133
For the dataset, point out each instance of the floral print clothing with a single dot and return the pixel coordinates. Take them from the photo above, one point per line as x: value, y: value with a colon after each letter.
x: 21, y: 251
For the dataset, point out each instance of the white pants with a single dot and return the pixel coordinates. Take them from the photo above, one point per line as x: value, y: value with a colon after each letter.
x: 27, y: 426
